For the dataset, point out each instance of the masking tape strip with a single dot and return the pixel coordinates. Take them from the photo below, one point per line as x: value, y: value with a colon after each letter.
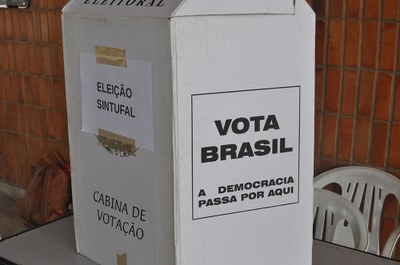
x: 111, y: 56
x: 122, y: 259
x: 115, y: 142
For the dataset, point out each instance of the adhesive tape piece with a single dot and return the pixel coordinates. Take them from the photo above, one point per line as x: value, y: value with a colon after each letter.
x: 117, y: 142
x: 111, y: 56
x: 122, y: 259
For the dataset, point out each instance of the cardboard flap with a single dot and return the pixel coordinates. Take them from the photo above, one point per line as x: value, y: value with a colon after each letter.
x: 122, y: 8
x: 227, y: 7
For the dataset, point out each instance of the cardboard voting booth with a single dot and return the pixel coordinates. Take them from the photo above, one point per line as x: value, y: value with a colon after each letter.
x: 191, y: 130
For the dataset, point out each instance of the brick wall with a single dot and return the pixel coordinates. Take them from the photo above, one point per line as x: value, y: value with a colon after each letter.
x: 357, y: 103
x: 357, y: 88
x: 32, y: 94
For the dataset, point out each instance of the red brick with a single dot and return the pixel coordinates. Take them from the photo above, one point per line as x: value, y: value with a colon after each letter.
x: 3, y: 28
x: 58, y: 126
x: 42, y: 4
x: 383, y: 97
x: 369, y: 43
x: 2, y: 117
x: 329, y: 136
x: 2, y: 86
x: 56, y: 95
x: 38, y: 123
x: 46, y: 57
x: 336, y: 8
x: 3, y: 57
x: 22, y: 25
x: 36, y: 148
x: 23, y: 117
x: 36, y: 59
x: 22, y: 65
x: 320, y: 42
x: 30, y: 33
x: 31, y: 57
x: 366, y: 93
x: 20, y: 147
x: 352, y: 43
x: 396, y: 114
x: 11, y: 143
x: 44, y: 26
x: 8, y: 57
x: 349, y: 92
x: 17, y: 84
x: 59, y: 56
x: 378, y: 146
x: 54, y: 18
x: 51, y: 5
x: 332, y: 90
x: 335, y: 49
x: 15, y: 23
x: 33, y: 5
x: 345, y: 139
x: 3, y: 144
x: 29, y: 120
x: 353, y: 8
x: 30, y: 89
x: 319, y: 81
x: 390, y: 9
x: 361, y: 141
x: 317, y: 130
x: 12, y: 117
x: 37, y: 26
x: 44, y: 87
x: 9, y: 94
x: 372, y: 9
x: 394, y: 151
x: 8, y: 25
x: 388, y: 46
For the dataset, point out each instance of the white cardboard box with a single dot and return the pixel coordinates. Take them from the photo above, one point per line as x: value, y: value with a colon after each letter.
x: 204, y: 110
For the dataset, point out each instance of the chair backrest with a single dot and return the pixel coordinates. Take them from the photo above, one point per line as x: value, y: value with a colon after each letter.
x: 367, y: 188
x: 330, y: 211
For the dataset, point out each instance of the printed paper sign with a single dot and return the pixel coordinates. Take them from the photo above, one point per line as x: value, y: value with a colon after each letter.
x: 245, y: 152
x: 118, y: 99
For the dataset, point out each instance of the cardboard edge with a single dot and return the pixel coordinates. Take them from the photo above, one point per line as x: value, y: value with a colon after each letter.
x: 66, y: 8
x: 274, y: 8
x: 175, y: 136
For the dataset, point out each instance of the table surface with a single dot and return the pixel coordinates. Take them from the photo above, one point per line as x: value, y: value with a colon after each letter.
x: 54, y: 244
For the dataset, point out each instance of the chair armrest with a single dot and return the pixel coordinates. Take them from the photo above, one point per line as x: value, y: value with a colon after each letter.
x: 391, y: 243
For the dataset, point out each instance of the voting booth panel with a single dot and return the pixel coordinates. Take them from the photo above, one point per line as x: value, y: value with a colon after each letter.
x: 191, y: 130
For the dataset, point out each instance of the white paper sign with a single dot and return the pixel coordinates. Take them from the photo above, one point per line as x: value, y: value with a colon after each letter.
x: 118, y: 99
x: 245, y: 150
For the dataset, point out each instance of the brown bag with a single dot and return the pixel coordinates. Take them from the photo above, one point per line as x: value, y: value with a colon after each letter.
x: 48, y: 196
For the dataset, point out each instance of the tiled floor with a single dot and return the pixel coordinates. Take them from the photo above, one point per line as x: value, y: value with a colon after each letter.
x: 10, y: 221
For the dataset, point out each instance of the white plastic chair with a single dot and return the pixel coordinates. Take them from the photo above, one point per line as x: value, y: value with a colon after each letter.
x: 367, y: 188
x: 331, y: 211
